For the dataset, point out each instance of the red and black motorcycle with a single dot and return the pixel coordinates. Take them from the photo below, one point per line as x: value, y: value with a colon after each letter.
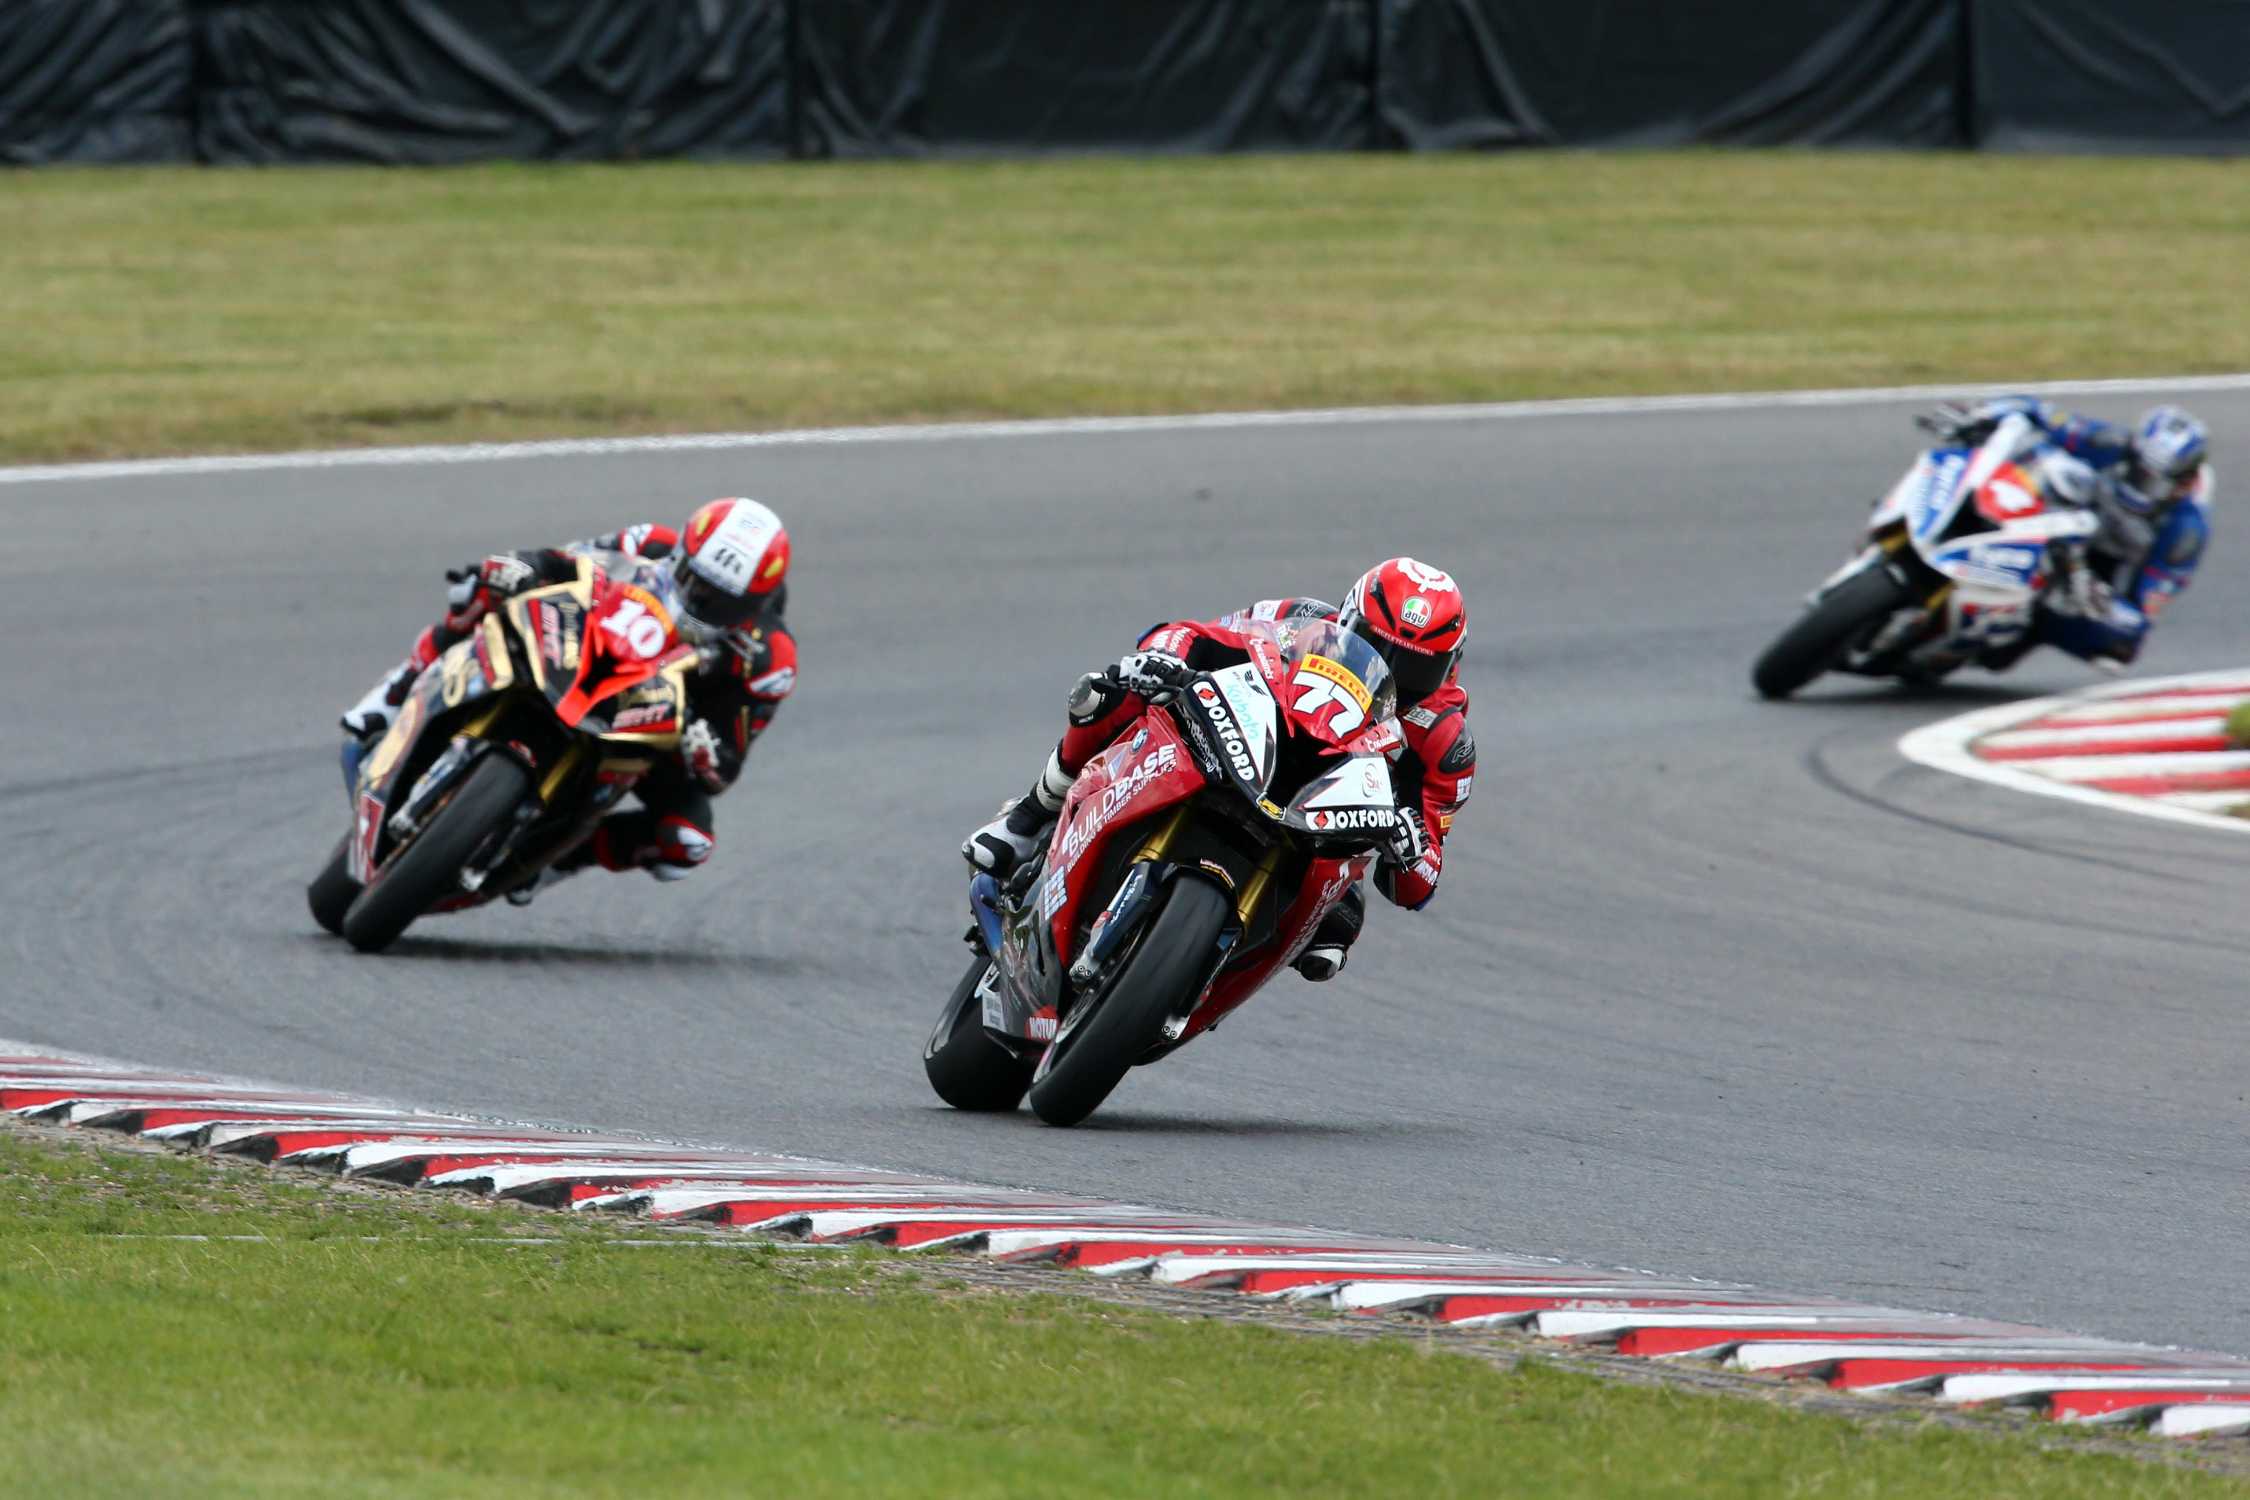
x: 509, y: 749
x: 1192, y: 862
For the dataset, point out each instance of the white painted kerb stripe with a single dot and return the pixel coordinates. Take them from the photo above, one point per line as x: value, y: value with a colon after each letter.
x: 938, y: 432
x: 1944, y: 746
x: 2096, y: 737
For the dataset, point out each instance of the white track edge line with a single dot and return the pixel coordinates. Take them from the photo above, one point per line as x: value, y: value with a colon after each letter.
x: 1342, y: 416
x: 1944, y: 746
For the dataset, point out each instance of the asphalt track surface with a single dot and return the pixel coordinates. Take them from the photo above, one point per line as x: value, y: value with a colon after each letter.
x: 1713, y: 986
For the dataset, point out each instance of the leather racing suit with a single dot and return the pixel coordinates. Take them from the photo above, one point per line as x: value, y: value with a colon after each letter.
x: 2142, y: 558
x: 1431, y: 772
x: 736, y: 694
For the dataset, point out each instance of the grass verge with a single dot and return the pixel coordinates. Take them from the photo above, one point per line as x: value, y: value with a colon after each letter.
x: 172, y: 311
x: 329, y: 1342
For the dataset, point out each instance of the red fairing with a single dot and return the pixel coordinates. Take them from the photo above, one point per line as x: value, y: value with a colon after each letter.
x: 1325, y: 884
x: 1438, y: 760
x: 1146, y: 771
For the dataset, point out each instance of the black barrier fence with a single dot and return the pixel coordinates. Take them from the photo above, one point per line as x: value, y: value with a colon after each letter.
x: 235, y: 81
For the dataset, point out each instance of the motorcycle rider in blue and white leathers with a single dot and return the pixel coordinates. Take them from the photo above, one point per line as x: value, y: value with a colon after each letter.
x: 2150, y: 484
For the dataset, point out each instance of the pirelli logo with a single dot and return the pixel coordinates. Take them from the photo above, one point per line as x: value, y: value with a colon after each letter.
x: 1343, y: 676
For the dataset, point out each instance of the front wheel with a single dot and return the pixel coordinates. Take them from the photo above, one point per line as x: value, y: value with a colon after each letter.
x: 1811, y: 646
x: 429, y: 869
x: 967, y: 1067
x: 332, y: 891
x: 1091, y: 1054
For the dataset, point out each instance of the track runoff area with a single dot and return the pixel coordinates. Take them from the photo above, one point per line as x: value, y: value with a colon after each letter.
x: 1849, y: 1342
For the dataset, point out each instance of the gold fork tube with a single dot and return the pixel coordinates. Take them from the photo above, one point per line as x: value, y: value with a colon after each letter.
x: 1161, y: 840
x: 552, y: 782
x: 1254, y: 889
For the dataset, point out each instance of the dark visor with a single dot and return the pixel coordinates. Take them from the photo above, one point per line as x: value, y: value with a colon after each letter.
x: 713, y: 606
x: 1417, y: 673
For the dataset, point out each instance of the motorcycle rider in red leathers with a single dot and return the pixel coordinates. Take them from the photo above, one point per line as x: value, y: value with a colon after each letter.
x: 732, y: 569
x: 1413, y: 616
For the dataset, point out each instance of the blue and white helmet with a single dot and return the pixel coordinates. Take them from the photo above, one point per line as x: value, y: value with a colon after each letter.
x: 2168, y: 450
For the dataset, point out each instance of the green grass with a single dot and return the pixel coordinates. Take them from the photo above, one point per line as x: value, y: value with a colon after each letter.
x: 425, y: 1360
x: 169, y: 311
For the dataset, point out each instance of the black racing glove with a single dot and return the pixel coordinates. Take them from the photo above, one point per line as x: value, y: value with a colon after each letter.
x: 478, y: 584
x: 1409, y: 840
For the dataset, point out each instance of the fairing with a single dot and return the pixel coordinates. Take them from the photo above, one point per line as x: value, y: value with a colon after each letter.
x: 600, y: 650
x: 1190, y: 791
x: 1982, y: 521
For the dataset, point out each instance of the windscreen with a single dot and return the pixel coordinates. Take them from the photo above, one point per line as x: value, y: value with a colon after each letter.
x: 1333, y: 682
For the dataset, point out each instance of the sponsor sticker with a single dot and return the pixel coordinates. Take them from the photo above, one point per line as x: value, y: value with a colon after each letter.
x: 1351, y: 819
x: 1105, y: 804
x: 1341, y: 675
x: 1415, y: 611
x: 1229, y: 732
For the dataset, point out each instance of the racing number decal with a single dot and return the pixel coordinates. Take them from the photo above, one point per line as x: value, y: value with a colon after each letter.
x: 635, y: 629
x: 2012, y: 499
x: 2010, y: 495
x: 1319, y: 693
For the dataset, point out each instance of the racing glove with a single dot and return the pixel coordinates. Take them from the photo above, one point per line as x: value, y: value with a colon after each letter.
x: 1156, y: 676
x: 1409, y: 840
x: 699, y: 752
x: 470, y: 590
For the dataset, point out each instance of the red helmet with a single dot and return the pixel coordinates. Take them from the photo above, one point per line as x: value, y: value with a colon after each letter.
x: 733, y: 556
x: 1413, y: 616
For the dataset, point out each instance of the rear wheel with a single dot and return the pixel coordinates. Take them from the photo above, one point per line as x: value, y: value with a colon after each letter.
x: 332, y: 890
x: 1092, y: 1053
x: 429, y: 869
x: 967, y: 1067
x: 1811, y: 646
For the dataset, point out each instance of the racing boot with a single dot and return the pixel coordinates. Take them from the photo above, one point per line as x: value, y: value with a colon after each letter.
x: 371, y: 715
x: 1001, y: 846
x: 1323, y: 958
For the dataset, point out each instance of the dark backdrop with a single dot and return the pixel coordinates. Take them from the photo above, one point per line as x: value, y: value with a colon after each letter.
x: 460, y: 80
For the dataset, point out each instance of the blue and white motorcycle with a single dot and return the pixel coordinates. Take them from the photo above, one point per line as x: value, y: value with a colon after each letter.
x: 1956, y: 558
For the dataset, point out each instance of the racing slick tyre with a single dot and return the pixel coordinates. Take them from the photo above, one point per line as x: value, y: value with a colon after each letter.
x: 967, y: 1067
x: 1108, y: 1031
x: 1809, y: 647
x: 429, y: 869
x: 332, y: 890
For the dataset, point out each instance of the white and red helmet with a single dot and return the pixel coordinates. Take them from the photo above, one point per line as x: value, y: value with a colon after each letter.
x: 1414, y: 617
x: 733, y: 556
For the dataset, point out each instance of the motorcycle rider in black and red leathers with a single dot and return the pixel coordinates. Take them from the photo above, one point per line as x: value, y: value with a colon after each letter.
x: 732, y: 563
x: 1413, y: 616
